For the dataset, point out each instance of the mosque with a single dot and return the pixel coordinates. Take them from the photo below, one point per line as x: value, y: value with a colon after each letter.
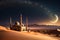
x: 18, y: 26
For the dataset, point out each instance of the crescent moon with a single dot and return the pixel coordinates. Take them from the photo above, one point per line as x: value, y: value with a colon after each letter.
x: 56, y: 19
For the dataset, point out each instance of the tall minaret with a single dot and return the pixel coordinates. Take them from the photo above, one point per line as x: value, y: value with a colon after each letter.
x: 10, y: 22
x: 26, y: 23
x: 21, y: 20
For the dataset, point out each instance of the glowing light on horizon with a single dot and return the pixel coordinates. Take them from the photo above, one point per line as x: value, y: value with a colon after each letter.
x: 48, y: 23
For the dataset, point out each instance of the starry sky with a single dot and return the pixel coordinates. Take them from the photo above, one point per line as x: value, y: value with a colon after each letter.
x: 37, y: 11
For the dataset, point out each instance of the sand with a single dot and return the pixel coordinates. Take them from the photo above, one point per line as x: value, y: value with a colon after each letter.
x: 6, y: 34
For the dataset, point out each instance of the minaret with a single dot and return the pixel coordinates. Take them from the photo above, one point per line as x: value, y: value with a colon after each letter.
x: 26, y: 23
x: 10, y: 22
x: 21, y: 20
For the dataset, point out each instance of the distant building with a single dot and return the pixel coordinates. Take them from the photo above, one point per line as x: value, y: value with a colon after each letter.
x: 18, y: 26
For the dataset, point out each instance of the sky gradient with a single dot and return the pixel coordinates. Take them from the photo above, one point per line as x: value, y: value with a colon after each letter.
x: 38, y: 11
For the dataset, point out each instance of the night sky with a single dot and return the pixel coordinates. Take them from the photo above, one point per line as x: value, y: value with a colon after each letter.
x: 37, y: 11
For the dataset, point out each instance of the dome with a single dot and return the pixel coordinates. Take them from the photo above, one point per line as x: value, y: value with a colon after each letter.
x: 17, y: 23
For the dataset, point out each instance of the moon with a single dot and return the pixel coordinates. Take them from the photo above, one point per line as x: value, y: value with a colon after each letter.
x: 55, y: 19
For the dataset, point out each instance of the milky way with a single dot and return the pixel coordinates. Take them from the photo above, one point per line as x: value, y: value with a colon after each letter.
x: 40, y: 10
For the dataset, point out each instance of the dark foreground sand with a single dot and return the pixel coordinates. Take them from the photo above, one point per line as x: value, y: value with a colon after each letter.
x: 14, y: 35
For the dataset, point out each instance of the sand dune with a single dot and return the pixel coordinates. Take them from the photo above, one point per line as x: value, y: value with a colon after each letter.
x: 15, y: 35
x: 3, y: 28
